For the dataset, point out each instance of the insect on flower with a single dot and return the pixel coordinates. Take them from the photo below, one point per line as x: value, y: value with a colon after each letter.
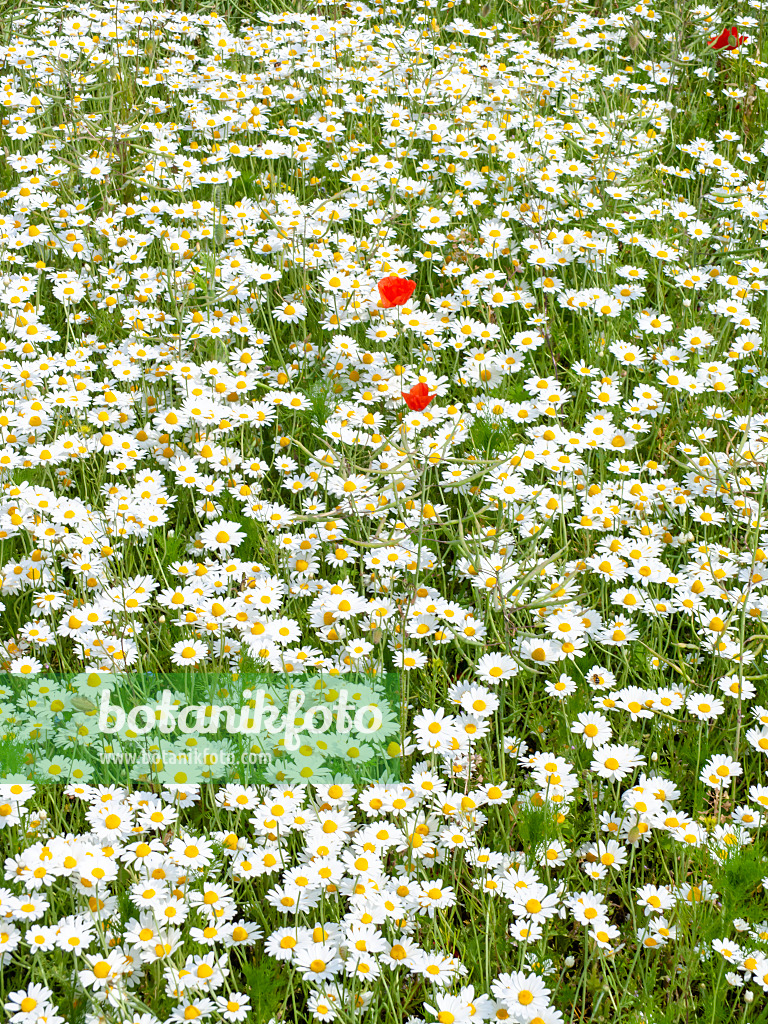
x: 395, y: 291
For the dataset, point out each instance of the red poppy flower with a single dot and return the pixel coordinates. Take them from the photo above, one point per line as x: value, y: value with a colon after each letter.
x: 728, y: 39
x: 395, y: 291
x: 418, y: 397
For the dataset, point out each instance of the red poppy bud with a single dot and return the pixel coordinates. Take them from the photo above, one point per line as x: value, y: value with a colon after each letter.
x: 728, y: 39
x: 395, y: 291
x: 418, y: 397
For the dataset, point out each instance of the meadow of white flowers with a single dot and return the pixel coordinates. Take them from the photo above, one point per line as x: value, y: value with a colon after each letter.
x: 345, y: 343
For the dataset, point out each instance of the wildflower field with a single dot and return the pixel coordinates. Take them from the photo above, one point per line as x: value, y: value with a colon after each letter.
x: 409, y: 359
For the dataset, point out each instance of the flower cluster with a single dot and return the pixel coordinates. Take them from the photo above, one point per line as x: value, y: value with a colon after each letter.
x: 353, y: 342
